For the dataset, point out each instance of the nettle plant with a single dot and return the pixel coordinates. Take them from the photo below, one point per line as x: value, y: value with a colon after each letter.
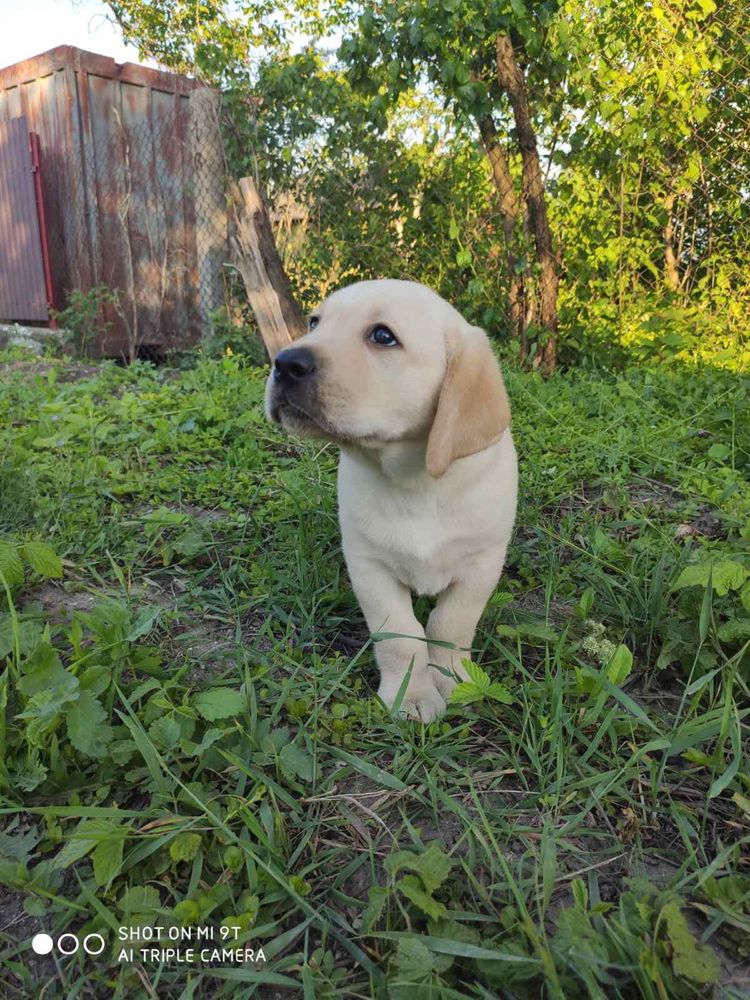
x: 712, y: 625
x: 56, y: 712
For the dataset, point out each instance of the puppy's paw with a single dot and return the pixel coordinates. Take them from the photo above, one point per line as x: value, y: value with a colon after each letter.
x: 445, y: 678
x: 422, y: 701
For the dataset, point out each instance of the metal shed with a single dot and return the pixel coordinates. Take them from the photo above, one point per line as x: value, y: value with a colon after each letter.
x: 130, y: 197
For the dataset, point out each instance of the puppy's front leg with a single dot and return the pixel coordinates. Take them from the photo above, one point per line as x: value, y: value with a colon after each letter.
x: 387, y: 607
x: 454, y: 619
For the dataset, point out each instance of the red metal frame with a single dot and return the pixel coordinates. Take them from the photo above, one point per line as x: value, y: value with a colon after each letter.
x: 36, y: 172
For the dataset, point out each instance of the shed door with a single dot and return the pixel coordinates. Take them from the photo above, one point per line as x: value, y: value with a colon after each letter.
x: 23, y: 296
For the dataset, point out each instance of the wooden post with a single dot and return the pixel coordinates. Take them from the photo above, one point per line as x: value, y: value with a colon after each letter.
x: 209, y: 172
x: 256, y: 257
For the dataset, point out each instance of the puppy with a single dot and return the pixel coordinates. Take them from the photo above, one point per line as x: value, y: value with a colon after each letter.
x: 427, y: 482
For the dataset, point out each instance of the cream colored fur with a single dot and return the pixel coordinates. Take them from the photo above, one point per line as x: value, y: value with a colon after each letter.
x: 427, y: 478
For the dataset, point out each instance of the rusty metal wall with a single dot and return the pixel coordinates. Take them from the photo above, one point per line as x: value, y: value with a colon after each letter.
x: 118, y: 179
x: 23, y: 295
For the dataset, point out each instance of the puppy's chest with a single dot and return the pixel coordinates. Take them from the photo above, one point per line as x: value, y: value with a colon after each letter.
x: 421, y: 542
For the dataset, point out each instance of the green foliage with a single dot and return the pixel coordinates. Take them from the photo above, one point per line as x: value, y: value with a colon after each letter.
x: 34, y: 557
x: 84, y: 316
x: 479, y: 686
x: 191, y: 739
x: 231, y: 337
x: 365, y: 136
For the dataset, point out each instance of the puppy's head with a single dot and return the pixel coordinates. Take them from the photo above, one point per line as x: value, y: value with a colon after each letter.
x: 391, y: 361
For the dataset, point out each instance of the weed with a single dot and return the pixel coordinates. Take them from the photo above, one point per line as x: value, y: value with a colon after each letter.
x: 197, y: 745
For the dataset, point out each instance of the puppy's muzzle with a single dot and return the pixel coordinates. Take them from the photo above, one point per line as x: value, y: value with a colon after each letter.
x: 294, y: 365
x: 294, y: 389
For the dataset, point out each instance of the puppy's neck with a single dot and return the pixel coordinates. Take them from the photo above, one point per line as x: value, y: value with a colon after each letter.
x: 402, y: 463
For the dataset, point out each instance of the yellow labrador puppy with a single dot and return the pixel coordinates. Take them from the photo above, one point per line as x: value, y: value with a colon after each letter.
x: 413, y: 396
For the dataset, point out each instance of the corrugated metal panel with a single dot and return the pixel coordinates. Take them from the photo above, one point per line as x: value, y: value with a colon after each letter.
x: 23, y: 295
x: 118, y: 185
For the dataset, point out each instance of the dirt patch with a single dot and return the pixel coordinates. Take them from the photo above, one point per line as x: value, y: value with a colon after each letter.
x: 534, y: 604
x: 19, y: 928
x: 641, y: 494
x: 212, y: 646
x: 58, y: 603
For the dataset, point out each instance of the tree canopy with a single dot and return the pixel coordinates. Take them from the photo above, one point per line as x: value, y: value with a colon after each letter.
x: 568, y: 172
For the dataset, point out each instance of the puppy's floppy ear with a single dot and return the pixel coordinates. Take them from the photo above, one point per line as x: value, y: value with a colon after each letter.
x: 473, y: 409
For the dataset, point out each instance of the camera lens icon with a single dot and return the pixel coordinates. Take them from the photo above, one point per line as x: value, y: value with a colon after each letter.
x: 68, y: 944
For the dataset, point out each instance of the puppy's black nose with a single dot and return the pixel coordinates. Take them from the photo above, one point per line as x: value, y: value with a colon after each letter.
x: 294, y: 364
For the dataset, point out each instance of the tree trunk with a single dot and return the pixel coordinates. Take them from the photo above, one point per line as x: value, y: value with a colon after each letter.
x: 257, y: 258
x: 509, y: 209
x: 512, y: 81
x: 671, y: 268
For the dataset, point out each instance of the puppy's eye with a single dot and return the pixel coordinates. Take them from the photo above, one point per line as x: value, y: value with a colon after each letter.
x: 313, y: 322
x: 383, y: 337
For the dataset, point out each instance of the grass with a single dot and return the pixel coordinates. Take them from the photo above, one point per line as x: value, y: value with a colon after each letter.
x: 191, y: 738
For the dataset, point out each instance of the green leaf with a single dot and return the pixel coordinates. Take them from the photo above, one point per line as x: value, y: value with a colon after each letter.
x: 454, y: 931
x: 84, y: 839
x: 185, y: 846
x: 726, y: 575
x: 165, y: 516
x: 728, y: 775
x: 707, y: 603
x: 376, y: 900
x: 107, y: 858
x: 432, y: 865
x: 586, y: 602
x: 465, y: 693
x: 371, y: 771
x: 734, y: 631
x: 11, y: 566
x: 87, y: 730
x: 300, y: 885
x: 29, y: 635
x: 476, y: 675
x: 48, y: 674
x: 95, y: 679
x: 620, y: 665
x: 219, y: 703
x: 186, y: 912
x: 139, y: 899
x: 34, y: 906
x: 690, y: 959
x: 529, y: 630
x: 19, y: 846
x: 210, y: 737
x: 165, y: 732
x: 296, y: 762
x: 499, y: 692
x: 144, y: 622
x: 414, y: 961
x: 411, y: 887
x: 43, y: 560
x: 478, y: 686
